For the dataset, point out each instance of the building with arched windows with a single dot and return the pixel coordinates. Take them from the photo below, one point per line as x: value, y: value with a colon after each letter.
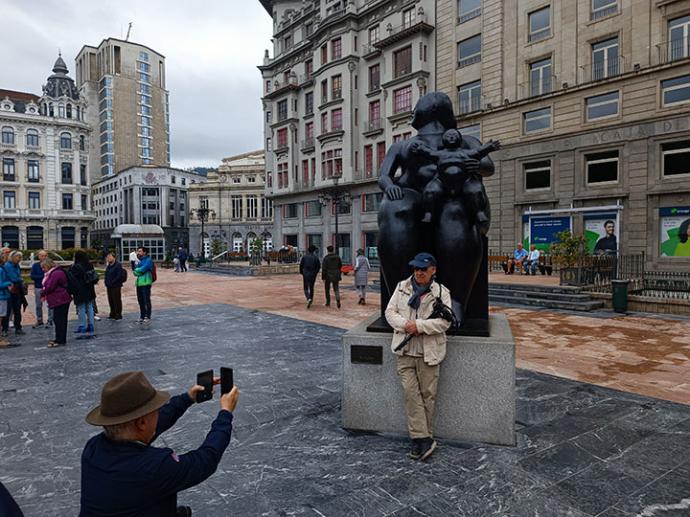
x: 45, y: 186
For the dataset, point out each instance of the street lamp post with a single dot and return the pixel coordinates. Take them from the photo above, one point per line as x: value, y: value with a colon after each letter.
x: 337, y: 197
x: 202, y: 214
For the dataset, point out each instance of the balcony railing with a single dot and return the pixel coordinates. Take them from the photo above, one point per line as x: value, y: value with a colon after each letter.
x: 536, y: 88
x: 336, y: 94
x: 467, y: 61
x: 604, y: 12
x: 308, y: 143
x: 469, y: 15
x: 395, y: 34
x: 306, y: 78
x: 370, y: 48
x: 475, y: 103
x: 373, y: 125
x: 673, y: 50
x: 602, y: 70
x: 397, y: 110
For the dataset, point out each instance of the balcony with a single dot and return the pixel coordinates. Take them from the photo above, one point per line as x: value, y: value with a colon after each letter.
x: 307, y: 144
x: 471, y: 105
x: 396, y: 34
x: 336, y: 94
x: 372, y: 127
x: 306, y: 78
x: 283, y: 87
x: 602, y: 70
x: 537, y: 88
x: 369, y: 50
x: 674, y: 50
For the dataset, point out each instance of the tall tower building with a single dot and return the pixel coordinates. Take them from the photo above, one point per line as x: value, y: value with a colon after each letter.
x: 591, y: 100
x: 338, y: 90
x: 127, y: 105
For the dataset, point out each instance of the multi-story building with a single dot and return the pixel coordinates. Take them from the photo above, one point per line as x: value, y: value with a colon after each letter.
x: 590, y: 99
x: 339, y: 89
x: 238, y: 209
x: 45, y: 166
x: 144, y: 196
x: 127, y: 105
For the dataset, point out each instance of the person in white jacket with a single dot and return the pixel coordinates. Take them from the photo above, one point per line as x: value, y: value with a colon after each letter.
x: 418, y: 362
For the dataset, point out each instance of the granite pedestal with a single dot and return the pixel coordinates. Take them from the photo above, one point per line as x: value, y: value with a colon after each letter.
x: 476, y: 391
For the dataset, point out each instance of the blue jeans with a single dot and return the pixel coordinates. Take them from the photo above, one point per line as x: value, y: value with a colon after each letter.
x: 85, y: 313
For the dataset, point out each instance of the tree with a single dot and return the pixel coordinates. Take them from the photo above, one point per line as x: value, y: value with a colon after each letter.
x: 569, y: 250
x: 217, y: 247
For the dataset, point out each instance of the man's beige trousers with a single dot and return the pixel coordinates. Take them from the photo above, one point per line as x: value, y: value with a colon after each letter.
x: 419, y: 382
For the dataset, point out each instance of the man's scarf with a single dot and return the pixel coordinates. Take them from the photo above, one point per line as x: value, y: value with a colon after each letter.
x: 418, y: 292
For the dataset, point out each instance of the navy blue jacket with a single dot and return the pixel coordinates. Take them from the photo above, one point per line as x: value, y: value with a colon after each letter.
x: 132, y: 479
x: 8, y: 506
x: 309, y: 266
x: 113, y: 275
x: 182, y: 255
x: 37, y: 274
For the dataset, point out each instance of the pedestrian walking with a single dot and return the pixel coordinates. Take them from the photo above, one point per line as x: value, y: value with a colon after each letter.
x: 183, y: 256
x: 133, y: 260
x: 55, y: 291
x: 17, y: 294
x: 309, y: 269
x: 37, y: 275
x: 115, y: 276
x: 144, y: 274
x: 362, y: 268
x: 5, y: 285
x: 84, y: 278
x: 331, y: 275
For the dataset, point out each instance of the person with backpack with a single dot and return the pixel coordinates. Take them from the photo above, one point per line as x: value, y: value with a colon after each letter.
x: 146, y: 276
x: 55, y: 291
x: 83, y: 277
x: 115, y: 276
x: 331, y: 274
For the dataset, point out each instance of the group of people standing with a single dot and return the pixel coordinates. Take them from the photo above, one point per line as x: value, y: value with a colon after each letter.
x: 57, y: 287
x: 331, y: 274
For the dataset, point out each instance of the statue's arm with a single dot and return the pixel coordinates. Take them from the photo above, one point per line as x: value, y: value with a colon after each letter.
x: 486, y: 164
x: 391, y: 162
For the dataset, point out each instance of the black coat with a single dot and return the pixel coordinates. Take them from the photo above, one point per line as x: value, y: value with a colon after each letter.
x: 309, y: 266
x: 331, y: 268
x: 113, y: 275
x: 85, y: 292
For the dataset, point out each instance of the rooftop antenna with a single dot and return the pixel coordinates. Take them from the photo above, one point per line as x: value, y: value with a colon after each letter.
x: 129, y: 29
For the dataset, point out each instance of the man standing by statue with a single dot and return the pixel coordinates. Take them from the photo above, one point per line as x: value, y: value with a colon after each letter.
x: 414, y: 310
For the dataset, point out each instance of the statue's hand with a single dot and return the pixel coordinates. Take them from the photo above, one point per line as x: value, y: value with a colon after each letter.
x: 394, y: 193
x: 471, y: 166
x: 495, y: 144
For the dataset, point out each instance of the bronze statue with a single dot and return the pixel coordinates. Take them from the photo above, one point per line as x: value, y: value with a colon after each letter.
x: 437, y: 204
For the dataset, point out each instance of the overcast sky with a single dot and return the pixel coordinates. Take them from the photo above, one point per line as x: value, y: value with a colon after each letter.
x: 212, y: 48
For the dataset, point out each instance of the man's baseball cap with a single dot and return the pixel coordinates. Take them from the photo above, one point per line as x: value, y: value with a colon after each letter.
x: 423, y: 260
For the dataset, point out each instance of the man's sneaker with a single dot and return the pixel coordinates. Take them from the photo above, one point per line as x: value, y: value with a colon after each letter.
x: 327, y: 304
x: 97, y: 318
x: 416, y: 449
x: 37, y: 326
x: 19, y: 332
x: 140, y: 320
x: 309, y: 302
x: 146, y: 320
x: 428, y: 448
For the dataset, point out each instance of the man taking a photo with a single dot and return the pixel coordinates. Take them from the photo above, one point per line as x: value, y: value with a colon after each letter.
x: 122, y: 473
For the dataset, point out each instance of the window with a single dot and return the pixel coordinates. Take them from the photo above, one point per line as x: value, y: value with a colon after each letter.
x: 336, y: 87
x: 468, y: 9
x: 381, y: 152
x: 34, y: 200
x: 537, y: 175
x: 66, y: 173
x: 290, y: 210
x: 369, y: 160
x: 540, y: 77
x: 68, y: 235
x: 8, y: 169
x: 602, y: 167
x: 332, y: 163
x: 32, y: 171
x: 470, y: 51
x: 402, y: 62
x: 473, y: 130
x: 336, y: 49
x: 602, y: 106
x: 469, y: 96
x: 282, y: 175
x: 309, y: 103
x: 252, y: 207
x: 266, y: 209
x: 84, y: 202
x: 675, y: 91
x: 31, y: 138
x: 537, y: 120
x: 402, y: 100
x: 236, y: 205
x: 309, y: 68
x: 679, y: 40
x: 374, y: 115
x: 373, y: 35
x: 324, y: 91
x: 287, y: 42
x: 309, y: 29
x: 7, y: 135
x: 605, y: 59
x: 374, y: 77
x: 309, y: 130
x: 408, y: 17
x: 282, y: 110
x: 539, y: 24
x: 269, y: 145
x: 34, y: 237
x: 282, y: 138
x: 312, y: 209
x: 337, y: 120
x: 324, y: 123
x: 676, y: 158
x: 370, y: 202
x: 602, y: 8
x: 67, y: 201
x: 324, y: 54
x: 9, y: 199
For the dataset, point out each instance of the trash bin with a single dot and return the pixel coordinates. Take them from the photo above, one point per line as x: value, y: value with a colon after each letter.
x: 620, y: 295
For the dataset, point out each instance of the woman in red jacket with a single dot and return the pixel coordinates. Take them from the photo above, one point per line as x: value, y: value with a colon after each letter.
x: 58, y: 298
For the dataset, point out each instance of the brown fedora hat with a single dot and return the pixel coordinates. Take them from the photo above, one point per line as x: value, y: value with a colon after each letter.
x: 126, y: 397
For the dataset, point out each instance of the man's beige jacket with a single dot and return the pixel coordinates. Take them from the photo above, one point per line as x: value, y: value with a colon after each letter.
x: 433, y: 332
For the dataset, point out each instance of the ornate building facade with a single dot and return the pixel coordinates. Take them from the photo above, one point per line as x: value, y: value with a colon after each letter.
x: 591, y: 100
x: 339, y: 89
x: 238, y: 209
x: 45, y: 183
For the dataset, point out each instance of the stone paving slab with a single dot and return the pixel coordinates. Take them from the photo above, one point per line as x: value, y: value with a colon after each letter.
x: 582, y: 450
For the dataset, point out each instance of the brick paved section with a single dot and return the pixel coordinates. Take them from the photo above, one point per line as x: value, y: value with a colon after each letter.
x: 645, y: 355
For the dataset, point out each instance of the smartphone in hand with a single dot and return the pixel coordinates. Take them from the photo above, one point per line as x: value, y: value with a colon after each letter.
x: 205, y: 379
x: 226, y: 380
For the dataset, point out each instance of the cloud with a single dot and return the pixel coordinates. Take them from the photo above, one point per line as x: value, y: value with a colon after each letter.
x: 212, y: 48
